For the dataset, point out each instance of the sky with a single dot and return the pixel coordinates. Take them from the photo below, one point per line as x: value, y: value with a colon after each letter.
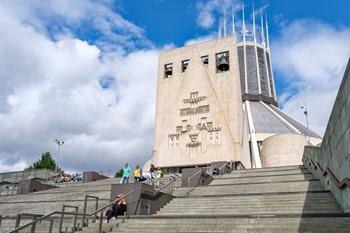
x: 84, y: 71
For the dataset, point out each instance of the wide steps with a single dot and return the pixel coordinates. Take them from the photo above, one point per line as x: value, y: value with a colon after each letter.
x: 265, y: 172
x: 261, y: 179
x: 278, y: 187
x: 293, y: 224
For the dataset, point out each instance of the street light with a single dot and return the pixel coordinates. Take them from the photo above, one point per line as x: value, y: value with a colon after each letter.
x: 60, y: 143
x: 307, y: 123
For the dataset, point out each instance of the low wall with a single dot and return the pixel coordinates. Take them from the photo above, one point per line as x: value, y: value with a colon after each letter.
x: 144, y: 201
x: 192, y: 177
x: 92, y: 176
x: 16, y: 176
x: 32, y: 185
x: 331, y: 161
x: 283, y: 150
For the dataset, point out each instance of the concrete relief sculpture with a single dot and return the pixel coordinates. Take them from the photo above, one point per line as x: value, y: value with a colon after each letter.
x: 195, y: 130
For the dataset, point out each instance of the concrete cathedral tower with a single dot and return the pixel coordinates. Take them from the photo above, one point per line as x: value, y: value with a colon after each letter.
x: 199, y: 116
x: 216, y: 101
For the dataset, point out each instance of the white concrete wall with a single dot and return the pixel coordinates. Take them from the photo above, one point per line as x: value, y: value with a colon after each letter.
x: 283, y: 150
x: 221, y: 91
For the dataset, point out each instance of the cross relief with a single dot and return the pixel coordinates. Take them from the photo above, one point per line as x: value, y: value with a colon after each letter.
x: 195, y: 130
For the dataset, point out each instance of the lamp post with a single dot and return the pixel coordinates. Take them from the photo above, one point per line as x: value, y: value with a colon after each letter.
x: 60, y: 143
x: 307, y: 123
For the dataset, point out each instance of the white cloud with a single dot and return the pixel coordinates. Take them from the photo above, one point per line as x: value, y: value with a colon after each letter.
x: 311, y: 57
x: 50, y: 88
x: 200, y: 39
x: 60, y: 18
x: 207, y: 11
x: 18, y: 166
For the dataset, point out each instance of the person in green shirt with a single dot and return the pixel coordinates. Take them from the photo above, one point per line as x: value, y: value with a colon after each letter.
x: 126, y: 173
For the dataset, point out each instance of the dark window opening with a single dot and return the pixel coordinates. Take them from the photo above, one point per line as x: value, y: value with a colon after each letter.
x: 205, y: 60
x: 184, y: 65
x: 222, y: 62
x: 168, y: 70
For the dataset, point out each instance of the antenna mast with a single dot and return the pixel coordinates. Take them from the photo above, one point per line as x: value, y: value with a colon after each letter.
x: 267, y: 33
x: 233, y: 20
x: 254, y: 29
x: 262, y: 29
x: 224, y: 22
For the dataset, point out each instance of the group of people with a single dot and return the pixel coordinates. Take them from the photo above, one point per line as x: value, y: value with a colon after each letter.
x: 152, y: 174
x: 119, y: 207
x: 65, y: 178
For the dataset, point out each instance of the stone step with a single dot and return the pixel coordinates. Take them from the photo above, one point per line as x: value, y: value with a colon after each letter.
x: 250, y: 211
x: 223, y: 206
x: 335, y: 224
x: 272, y: 168
x: 261, y: 179
x: 287, y: 195
x: 255, y: 173
x: 296, y: 186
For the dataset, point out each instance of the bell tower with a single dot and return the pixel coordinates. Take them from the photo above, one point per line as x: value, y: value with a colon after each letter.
x: 199, y: 116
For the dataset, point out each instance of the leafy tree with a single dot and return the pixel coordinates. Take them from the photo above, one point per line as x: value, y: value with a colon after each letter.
x: 119, y: 173
x: 46, y: 161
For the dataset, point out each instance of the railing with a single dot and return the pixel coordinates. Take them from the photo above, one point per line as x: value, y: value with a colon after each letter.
x: 171, y: 181
x: 84, y: 215
x: 62, y: 213
x: 345, y: 182
x: 193, y: 176
x: 26, y: 174
x: 9, y: 191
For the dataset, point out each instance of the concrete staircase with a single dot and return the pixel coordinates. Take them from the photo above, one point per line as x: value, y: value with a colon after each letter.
x: 47, y: 201
x: 281, y: 199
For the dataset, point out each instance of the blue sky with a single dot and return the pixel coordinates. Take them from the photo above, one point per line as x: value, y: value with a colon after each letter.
x: 167, y: 21
x: 85, y: 71
x: 175, y: 21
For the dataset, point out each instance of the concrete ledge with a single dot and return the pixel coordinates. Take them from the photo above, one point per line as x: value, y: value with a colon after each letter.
x: 32, y: 185
x: 205, y: 216
x: 251, y: 194
x: 143, y: 201
x: 92, y: 176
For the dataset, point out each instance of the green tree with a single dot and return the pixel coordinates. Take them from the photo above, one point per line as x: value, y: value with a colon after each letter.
x: 46, y: 161
x: 119, y: 173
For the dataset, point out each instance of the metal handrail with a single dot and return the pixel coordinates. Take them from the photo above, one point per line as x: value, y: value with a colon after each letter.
x: 44, y: 217
x: 85, y: 206
x: 167, y: 184
x: 40, y: 217
x: 193, y: 175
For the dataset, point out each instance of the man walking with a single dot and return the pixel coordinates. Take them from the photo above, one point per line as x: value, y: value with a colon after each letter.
x: 126, y: 173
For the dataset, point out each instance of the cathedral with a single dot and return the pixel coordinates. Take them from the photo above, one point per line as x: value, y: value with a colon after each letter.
x: 216, y: 101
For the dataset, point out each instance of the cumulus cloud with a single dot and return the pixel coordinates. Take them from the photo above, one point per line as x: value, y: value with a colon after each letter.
x: 100, y: 100
x: 311, y: 56
x: 200, y: 39
x: 208, y: 11
x: 96, y: 19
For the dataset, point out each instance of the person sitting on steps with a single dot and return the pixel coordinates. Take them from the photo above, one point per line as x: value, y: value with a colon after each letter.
x: 118, y: 208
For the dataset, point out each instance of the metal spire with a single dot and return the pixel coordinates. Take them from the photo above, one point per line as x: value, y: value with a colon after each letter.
x: 254, y: 29
x: 267, y: 33
x: 219, y: 29
x: 244, y: 51
x: 243, y: 24
x: 224, y: 22
x: 262, y: 29
x: 233, y: 20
